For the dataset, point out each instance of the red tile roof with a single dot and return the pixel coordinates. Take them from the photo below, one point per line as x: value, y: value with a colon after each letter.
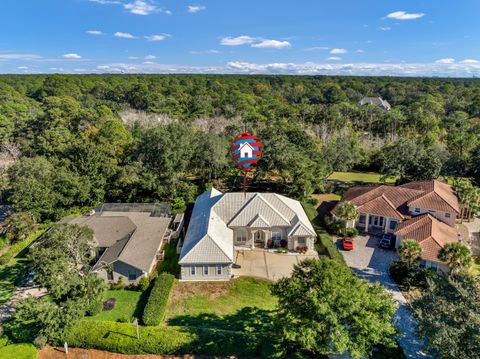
x: 431, y: 233
x: 437, y: 196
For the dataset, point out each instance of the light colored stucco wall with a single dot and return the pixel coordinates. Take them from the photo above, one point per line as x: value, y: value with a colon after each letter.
x: 121, y: 269
x: 185, y: 272
x: 438, y: 214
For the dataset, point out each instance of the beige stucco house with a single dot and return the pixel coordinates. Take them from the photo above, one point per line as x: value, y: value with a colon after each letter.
x: 425, y: 211
x: 223, y: 223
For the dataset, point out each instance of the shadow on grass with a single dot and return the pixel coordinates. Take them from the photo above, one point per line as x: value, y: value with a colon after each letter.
x: 142, y: 301
x: 170, y: 261
x: 10, y: 276
x: 247, y: 320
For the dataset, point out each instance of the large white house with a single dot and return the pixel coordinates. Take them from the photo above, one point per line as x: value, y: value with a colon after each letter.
x: 222, y: 223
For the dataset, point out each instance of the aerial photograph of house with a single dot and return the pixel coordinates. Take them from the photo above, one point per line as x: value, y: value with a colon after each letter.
x: 239, y: 179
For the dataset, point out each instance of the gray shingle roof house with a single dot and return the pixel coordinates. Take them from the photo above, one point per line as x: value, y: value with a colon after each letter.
x: 222, y: 223
x: 376, y: 101
x: 127, y: 241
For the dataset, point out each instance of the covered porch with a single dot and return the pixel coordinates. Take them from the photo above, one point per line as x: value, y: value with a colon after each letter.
x: 375, y: 223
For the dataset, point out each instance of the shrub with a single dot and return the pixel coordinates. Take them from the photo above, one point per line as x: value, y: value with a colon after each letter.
x: 156, y: 307
x: 282, y: 250
x: 351, y: 232
x: 143, y: 283
x: 40, y: 342
x: 399, y: 272
x: 3, y: 341
x: 119, y: 285
x: 109, y: 304
x: 283, y: 243
x: 165, y: 340
x: 95, y: 308
x: 302, y: 250
x: 326, y: 246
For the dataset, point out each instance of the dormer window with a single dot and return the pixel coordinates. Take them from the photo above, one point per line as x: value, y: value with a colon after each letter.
x: 447, y: 215
x: 417, y: 210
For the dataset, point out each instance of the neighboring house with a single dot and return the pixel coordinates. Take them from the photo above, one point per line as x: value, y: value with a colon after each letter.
x: 222, y: 223
x: 376, y: 101
x: 129, y: 239
x: 425, y: 211
x: 246, y: 150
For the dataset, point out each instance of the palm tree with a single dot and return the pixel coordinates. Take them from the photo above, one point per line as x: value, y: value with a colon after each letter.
x: 410, y: 252
x: 346, y: 211
x: 469, y: 198
x: 457, y: 256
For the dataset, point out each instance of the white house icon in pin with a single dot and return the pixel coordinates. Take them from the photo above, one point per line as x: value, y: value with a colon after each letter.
x: 246, y: 151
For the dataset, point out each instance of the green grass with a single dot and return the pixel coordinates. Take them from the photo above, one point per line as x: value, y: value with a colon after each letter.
x: 240, y: 304
x: 129, y: 304
x: 359, y: 177
x: 475, y: 267
x: 18, y: 351
x: 170, y: 262
x: 9, y: 276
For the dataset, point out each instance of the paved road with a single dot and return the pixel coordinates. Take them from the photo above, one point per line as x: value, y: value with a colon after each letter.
x: 370, y: 262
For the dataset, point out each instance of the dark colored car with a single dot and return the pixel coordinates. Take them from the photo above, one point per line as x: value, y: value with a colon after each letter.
x: 347, y: 244
x: 386, y: 241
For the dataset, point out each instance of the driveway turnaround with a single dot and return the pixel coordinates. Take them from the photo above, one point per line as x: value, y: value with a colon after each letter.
x: 370, y: 262
x: 267, y: 265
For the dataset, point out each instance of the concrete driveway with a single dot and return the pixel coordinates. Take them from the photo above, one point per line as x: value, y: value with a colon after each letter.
x: 370, y: 262
x: 267, y: 265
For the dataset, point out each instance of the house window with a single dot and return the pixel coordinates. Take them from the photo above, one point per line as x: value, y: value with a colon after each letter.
x: 447, y: 215
x: 241, y: 235
x: 192, y: 270
x: 302, y: 240
x: 417, y: 210
x: 361, y: 219
x: 219, y: 269
x: 393, y: 224
x: 276, y: 236
x: 205, y: 270
x: 109, y: 275
x: 431, y: 265
x: 132, y: 276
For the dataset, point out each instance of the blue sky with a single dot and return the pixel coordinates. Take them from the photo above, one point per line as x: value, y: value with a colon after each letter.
x: 343, y: 37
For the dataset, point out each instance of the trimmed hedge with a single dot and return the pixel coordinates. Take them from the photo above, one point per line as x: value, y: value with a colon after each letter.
x: 328, y: 246
x: 163, y: 340
x: 18, y: 351
x: 156, y: 307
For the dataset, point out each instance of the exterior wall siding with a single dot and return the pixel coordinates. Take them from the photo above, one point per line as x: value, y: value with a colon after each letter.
x: 442, y: 216
x: 200, y: 275
x: 121, y: 269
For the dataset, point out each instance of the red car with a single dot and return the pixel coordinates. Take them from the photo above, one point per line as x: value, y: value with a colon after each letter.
x: 347, y: 244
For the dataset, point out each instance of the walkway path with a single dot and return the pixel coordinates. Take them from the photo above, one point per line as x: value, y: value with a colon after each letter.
x: 370, y: 262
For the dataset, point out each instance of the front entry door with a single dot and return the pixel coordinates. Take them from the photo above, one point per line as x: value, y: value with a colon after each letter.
x: 259, y: 239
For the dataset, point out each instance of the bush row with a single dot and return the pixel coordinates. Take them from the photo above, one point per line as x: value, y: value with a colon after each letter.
x: 156, y: 307
x: 327, y: 246
x: 122, y: 338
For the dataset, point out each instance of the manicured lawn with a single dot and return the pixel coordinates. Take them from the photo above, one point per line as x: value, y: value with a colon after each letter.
x: 475, y: 268
x: 18, y: 351
x: 129, y: 304
x: 241, y: 304
x: 170, y: 262
x: 359, y: 177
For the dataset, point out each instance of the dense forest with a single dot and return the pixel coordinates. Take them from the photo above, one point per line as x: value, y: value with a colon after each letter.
x: 75, y: 141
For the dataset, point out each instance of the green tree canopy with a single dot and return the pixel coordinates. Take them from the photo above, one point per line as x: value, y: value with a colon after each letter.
x: 457, y: 256
x: 323, y: 308
x: 410, y: 252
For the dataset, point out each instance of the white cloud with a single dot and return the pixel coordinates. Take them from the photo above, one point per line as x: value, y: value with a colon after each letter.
x: 338, y: 51
x: 133, y: 57
x: 236, y: 41
x: 385, y: 28
x: 403, y: 15
x: 272, y: 44
x: 72, y: 56
x: 150, y: 57
x: 140, y: 7
x: 148, y: 63
x: 9, y: 56
x: 195, y: 8
x: 334, y: 58
x: 168, y: 12
x: 205, y: 52
x: 94, y: 32
x: 123, y: 35
x: 106, y: 2
x: 157, y: 37
x: 447, y: 60
x: 103, y: 67
x: 360, y: 51
x: 22, y: 67
x: 469, y: 61
x: 317, y: 48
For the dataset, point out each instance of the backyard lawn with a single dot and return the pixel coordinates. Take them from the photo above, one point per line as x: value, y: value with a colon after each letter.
x: 359, y: 177
x: 241, y: 304
x: 475, y: 268
x: 128, y: 304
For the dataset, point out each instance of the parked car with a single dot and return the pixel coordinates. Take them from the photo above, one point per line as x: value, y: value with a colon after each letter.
x: 347, y: 244
x: 386, y: 241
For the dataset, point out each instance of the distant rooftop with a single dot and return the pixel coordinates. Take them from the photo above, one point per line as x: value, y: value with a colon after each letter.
x: 155, y: 209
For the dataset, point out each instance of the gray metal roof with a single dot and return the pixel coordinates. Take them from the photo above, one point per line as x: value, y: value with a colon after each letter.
x: 209, y: 238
